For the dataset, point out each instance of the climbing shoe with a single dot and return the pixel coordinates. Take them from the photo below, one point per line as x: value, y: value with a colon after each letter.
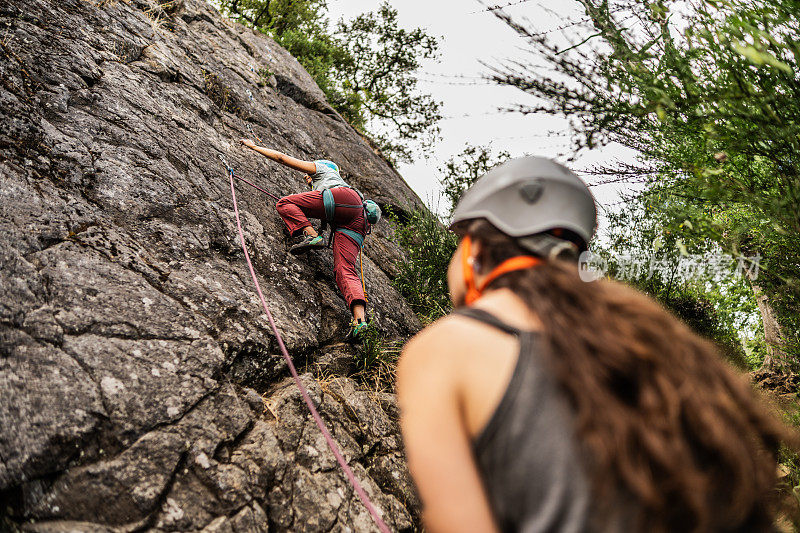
x: 357, y: 331
x: 307, y: 244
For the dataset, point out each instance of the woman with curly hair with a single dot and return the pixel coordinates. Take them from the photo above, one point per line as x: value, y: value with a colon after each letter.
x: 546, y: 403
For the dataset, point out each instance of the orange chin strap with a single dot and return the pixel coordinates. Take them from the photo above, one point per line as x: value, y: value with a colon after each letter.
x: 520, y: 262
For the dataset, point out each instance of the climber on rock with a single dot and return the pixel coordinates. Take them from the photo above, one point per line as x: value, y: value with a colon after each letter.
x: 344, y: 208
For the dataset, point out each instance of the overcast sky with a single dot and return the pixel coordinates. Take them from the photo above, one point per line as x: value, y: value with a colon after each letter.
x: 470, y: 35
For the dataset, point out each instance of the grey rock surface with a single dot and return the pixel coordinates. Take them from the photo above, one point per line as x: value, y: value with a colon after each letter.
x: 141, y: 388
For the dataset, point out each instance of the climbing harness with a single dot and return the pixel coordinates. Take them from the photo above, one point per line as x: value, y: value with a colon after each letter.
x: 330, y: 212
x: 303, y: 392
x: 330, y: 205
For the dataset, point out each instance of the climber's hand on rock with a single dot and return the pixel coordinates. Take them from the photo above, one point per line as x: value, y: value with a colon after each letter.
x: 248, y: 143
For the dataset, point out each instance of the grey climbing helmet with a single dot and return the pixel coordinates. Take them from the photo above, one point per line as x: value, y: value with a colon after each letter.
x: 528, y: 196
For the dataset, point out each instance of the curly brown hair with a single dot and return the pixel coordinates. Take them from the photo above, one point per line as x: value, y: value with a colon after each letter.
x: 663, y: 418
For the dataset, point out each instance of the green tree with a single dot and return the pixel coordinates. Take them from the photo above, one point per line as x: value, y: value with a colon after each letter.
x: 302, y: 27
x: 429, y: 245
x: 277, y: 17
x: 384, y: 59
x: 366, y: 67
x: 462, y: 170
x: 648, y: 251
x: 706, y: 92
x: 422, y: 277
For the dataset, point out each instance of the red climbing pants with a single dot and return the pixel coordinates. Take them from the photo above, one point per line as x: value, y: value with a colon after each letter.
x: 296, y: 209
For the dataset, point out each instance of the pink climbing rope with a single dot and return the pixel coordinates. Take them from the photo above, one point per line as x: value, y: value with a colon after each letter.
x: 320, y: 424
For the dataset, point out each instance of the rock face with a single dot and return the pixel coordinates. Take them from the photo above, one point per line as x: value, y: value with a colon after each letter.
x: 140, y: 385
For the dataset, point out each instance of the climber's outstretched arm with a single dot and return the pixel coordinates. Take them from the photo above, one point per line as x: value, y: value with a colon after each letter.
x: 292, y: 162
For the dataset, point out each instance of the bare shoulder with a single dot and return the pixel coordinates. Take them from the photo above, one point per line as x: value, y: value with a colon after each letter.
x: 441, y: 338
x: 439, y: 347
x: 426, y: 371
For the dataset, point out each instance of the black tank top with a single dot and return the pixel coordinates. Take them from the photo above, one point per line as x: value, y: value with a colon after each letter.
x: 528, y: 455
